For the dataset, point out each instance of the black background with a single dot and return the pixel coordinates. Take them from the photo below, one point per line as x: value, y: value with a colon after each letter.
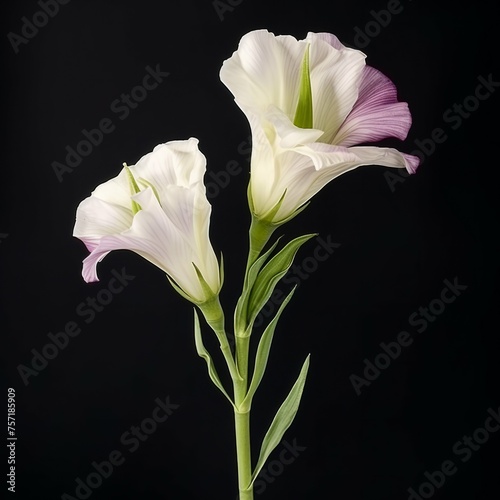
x: 397, y: 246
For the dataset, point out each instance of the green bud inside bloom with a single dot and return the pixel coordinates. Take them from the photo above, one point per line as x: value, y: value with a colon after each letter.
x: 134, y: 188
x: 304, y: 112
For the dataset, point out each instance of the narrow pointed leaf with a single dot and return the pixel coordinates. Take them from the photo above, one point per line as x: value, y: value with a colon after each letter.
x: 283, y: 419
x: 263, y: 350
x: 269, y: 276
x: 203, y: 353
x: 240, y: 313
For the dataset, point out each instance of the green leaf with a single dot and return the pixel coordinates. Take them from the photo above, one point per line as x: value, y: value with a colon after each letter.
x: 263, y: 350
x: 240, y: 313
x: 283, y: 419
x: 304, y: 112
x: 269, y: 276
x: 203, y: 353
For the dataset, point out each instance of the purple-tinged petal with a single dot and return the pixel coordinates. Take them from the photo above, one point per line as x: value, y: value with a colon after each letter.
x: 377, y: 114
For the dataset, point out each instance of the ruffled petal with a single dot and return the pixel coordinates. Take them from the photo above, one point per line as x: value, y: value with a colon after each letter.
x: 386, y: 157
x: 377, y: 113
x: 154, y: 237
x: 307, y: 169
x: 96, y: 218
x: 116, y: 191
x: 335, y: 80
x: 290, y: 135
x: 265, y: 70
x: 327, y: 38
x: 175, y: 163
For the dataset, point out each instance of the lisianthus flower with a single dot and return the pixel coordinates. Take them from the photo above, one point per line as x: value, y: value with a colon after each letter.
x: 157, y: 208
x: 309, y: 103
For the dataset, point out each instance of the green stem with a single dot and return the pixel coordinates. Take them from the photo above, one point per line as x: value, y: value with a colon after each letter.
x: 242, y: 421
x: 242, y: 428
x: 259, y: 234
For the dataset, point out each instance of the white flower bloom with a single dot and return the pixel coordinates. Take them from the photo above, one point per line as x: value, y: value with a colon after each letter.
x: 158, y: 209
x: 308, y: 103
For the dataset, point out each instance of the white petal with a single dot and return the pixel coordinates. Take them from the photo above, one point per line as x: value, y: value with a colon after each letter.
x: 115, y: 191
x: 290, y: 135
x: 335, y: 79
x: 178, y: 163
x: 154, y: 237
x: 265, y: 70
x: 96, y: 218
x: 328, y: 38
x: 307, y: 169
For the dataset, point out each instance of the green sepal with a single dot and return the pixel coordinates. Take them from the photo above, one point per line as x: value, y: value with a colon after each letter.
x: 263, y: 350
x: 304, y: 111
x: 203, y: 353
x: 283, y: 419
x: 209, y: 293
x: 269, y: 276
x: 180, y: 291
